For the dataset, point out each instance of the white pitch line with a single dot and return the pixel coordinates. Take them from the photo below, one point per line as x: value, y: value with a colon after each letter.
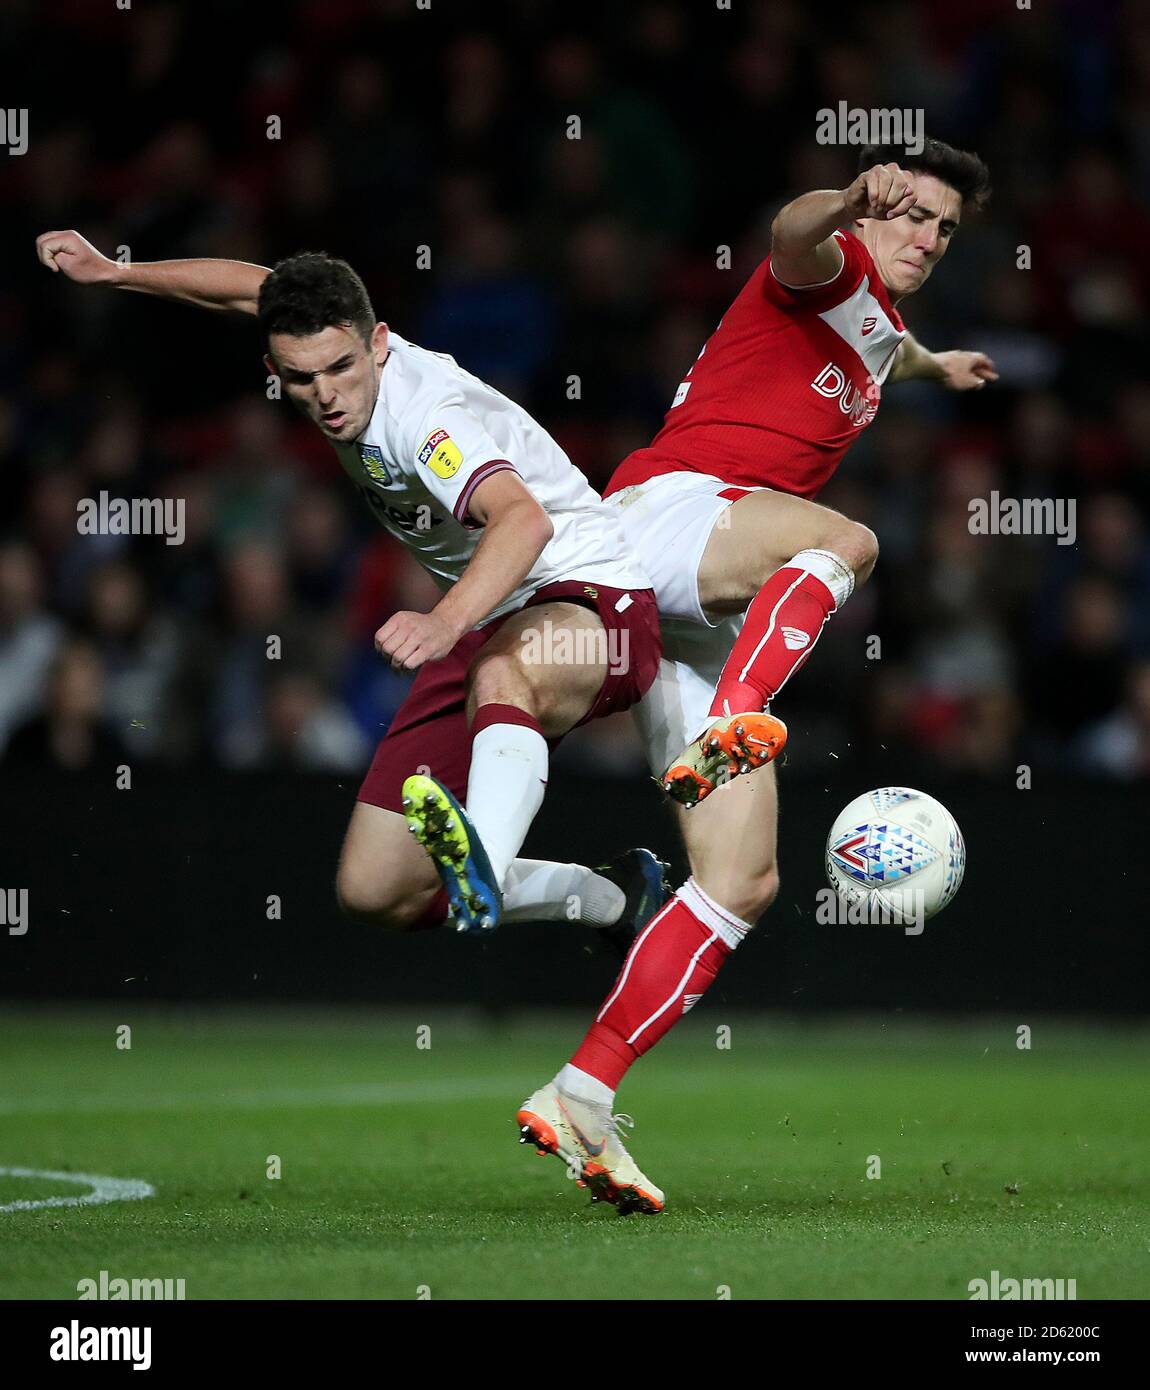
x: 103, y: 1189
x: 364, y: 1093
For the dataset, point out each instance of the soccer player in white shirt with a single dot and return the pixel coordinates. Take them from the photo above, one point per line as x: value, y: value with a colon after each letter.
x: 546, y: 621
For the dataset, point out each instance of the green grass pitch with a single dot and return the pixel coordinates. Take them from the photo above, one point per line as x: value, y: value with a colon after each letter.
x: 401, y: 1171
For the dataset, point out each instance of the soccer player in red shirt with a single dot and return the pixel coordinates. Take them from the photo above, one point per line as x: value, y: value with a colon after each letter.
x: 719, y: 510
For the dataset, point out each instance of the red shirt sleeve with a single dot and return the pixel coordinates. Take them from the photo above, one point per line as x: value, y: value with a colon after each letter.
x: 817, y: 298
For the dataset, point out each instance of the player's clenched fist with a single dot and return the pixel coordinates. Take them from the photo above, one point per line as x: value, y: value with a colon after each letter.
x: 75, y: 256
x: 881, y: 192
x: 410, y: 639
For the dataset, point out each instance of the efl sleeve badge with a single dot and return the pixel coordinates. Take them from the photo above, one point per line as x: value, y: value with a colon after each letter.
x: 441, y: 454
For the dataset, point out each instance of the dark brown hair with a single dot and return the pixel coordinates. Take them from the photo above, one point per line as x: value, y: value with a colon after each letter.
x: 312, y: 291
x: 963, y: 171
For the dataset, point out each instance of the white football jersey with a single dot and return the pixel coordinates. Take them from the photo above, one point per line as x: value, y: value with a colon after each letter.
x: 435, y: 434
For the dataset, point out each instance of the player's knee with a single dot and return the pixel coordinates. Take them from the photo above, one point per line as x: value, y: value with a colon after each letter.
x: 500, y: 678
x: 858, y: 546
x: 365, y: 900
x: 750, y: 898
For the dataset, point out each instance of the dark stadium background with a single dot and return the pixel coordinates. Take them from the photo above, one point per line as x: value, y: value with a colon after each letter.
x: 446, y: 128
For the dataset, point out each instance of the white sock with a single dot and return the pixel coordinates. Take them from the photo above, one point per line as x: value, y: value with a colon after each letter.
x: 832, y: 569
x: 580, y: 1084
x: 721, y: 921
x: 505, y: 789
x: 536, y: 890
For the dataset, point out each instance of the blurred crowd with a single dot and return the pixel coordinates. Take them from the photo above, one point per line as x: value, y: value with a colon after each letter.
x: 372, y: 129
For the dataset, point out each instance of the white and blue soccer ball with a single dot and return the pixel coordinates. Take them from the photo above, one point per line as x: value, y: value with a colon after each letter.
x: 897, y: 854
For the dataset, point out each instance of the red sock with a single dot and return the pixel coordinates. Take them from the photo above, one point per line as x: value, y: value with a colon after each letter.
x: 780, y: 630
x: 669, y: 968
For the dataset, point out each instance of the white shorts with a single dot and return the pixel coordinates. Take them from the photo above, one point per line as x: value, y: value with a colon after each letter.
x: 675, y: 709
x: 668, y: 521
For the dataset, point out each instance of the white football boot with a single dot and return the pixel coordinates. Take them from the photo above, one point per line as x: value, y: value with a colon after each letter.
x: 586, y: 1138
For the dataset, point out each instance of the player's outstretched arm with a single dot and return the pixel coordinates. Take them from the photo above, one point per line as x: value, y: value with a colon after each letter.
x: 210, y: 284
x: 956, y: 370
x: 516, y: 529
x: 803, y: 249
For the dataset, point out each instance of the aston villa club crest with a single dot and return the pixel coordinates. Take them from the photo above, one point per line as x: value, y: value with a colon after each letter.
x: 876, y: 853
x: 372, y: 457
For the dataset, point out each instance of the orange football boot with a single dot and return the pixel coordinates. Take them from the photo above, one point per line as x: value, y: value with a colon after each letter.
x: 732, y: 745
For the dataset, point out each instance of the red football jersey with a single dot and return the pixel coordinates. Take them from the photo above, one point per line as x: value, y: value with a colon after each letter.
x: 783, y: 385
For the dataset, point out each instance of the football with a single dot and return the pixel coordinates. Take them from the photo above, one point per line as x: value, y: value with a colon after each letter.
x: 896, y: 854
